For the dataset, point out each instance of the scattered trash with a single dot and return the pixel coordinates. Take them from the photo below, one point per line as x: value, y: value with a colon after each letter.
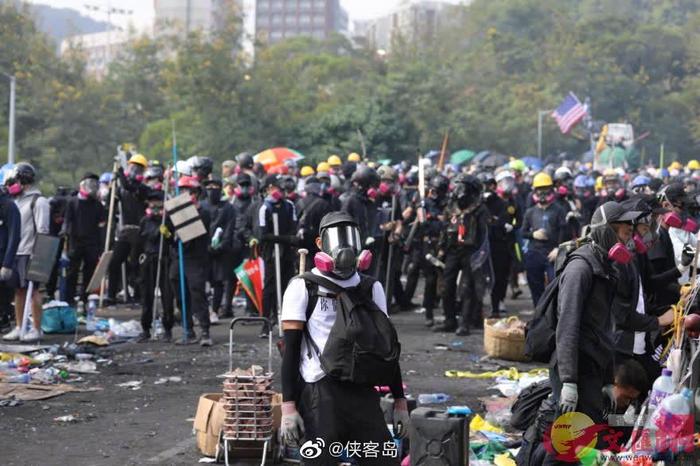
x: 512, y: 373
x: 478, y: 423
x: 11, y: 402
x: 457, y: 344
x: 43, y: 358
x: 67, y: 419
x: 441, y: 347
x: 163, y: 380
x: 504, y: 459
x: 459, y: 410
x: 207, y: 460
x: 79, y: 367
x: 432, y: 398
x: 33, y: 392
x: 83, y: 356
x: 128, y: 329
x: 132, y: 384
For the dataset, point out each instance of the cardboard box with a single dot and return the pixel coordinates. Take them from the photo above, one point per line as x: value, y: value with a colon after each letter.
x: 276, y: 411
x: 208, y: 422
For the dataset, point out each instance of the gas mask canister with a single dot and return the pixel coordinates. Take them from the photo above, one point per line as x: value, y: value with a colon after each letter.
x: 341, y: 254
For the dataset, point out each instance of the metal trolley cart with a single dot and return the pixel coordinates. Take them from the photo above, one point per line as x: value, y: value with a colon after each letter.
x: 248, y: 401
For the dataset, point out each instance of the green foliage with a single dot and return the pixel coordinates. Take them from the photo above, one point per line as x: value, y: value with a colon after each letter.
x: 483, y: 77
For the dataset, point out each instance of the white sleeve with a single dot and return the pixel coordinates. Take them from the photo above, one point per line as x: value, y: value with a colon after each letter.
x: 379, y: 297
x: 42, y: 212
x: 295, y: 301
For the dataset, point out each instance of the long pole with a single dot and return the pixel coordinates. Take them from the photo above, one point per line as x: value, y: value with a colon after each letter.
x: 110, y: 222
x: 661, y: 156
x: 278, y: 271
x: 11, y: 136
x: 540, y: 115
x: 443, y: 150
x: 181, y: 261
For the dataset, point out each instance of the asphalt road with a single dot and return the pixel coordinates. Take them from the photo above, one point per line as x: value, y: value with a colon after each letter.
x: 153, y: 425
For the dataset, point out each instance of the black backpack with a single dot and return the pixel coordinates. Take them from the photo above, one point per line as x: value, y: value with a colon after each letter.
x: 540, y: 332
x: 524, y: 410
x: 363, y: 346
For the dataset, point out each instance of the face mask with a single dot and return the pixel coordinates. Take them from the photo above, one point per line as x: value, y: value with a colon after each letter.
x: 639, y: 244
x: 14, y: 189
x: 275, y: 196
x: 155, y: 184
x: 327, y: 264
x: 384, y: 188
x: 104, y: 192
x: 214, y: 195
x: 690, y: 225
x: 543, y: 199
x: 620, y: 194
x: 372, y: 193
x: 621, y: 254
x: 153, y: 211
x: 292, y: 196
x: 563, y: 191
x: 672, y: 219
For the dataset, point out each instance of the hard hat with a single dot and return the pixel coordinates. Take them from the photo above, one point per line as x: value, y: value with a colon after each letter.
x: 354, y: 157
x: 599, y: 183
x: 640, y: 180
x: 675, y: 165
x: 306, y: 171
x: 139, y: 159
x: 517, y: 165
x: 386, y: 172
x: 323, y: 167
x: 334, y: 161
x: 504, y: 174
x: 188, y: 182
x: 542, y: 180
x: 562, y: 174
x: 106, y: 178
x: 693, y: 165
x: 610, y: 175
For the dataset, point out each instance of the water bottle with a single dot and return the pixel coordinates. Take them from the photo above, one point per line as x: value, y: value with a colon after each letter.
x: 432, y: 398
x: 545, y: 223
x: 91, y: 324
x: 19, y: 378
x: 158, y: 330
x: 663, y: 387
x: 673, y: 422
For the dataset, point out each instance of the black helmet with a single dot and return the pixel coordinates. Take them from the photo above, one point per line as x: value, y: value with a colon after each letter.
x: 23, y: 173
x: 271, y: 180
x: 201, y: 166
x: 366, y: 177
x: 154, y: 170
x: 289, y: 184
x: 440, y: 183
x: 243, y: 179
x: 213, y: 181
x: 486, y: 178
x: 412, y: 178
x: 467, y: 190
x: 245, y: 160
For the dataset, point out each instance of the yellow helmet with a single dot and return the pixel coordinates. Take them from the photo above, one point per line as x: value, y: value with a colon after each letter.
x: 334, y: 161
x: 599, y: 183
x: 676, y: 165
x: 139, y: 159
x: 542, y: 180
x: 693, y: 165
x: 323, y: 167
x: 354, y: 157
x: 306, y: 171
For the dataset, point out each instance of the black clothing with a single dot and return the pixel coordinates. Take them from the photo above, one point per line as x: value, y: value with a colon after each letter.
x: 310, y: 210
x: 552, y: 219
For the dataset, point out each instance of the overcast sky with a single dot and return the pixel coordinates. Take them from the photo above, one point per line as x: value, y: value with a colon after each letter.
x: 143, y: 9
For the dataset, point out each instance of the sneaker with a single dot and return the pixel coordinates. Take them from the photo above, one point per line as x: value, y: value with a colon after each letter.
x: 32, y: 335
x: 213, y: 318
x: 167, y: 336
x: 429, y: 322
x: 205, y: 341
x: 190, y: 339
x: 462, y: 331
x: 144, y: 337
x: 447, y: 326
x: 13, y: 335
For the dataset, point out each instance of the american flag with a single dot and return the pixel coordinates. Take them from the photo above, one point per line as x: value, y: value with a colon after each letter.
x: 569, y: 113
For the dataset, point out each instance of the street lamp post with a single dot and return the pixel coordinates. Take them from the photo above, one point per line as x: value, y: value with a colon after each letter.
x: 11, y: 136
x: 540, y: 114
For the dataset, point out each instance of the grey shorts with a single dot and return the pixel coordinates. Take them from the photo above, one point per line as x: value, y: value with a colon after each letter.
x: 22, y: 266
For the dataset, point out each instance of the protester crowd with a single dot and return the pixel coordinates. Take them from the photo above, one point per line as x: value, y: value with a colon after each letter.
x: 617, y: 243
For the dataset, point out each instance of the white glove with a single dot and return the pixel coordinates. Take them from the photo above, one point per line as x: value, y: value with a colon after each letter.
x: 292, y: 425
x: 540, y: 235
x: 568, y: 400
x: 508, y: 227
x: 573, y: 214
x: 402, y: 420
x: 5, y: 274
x: 552, y: 256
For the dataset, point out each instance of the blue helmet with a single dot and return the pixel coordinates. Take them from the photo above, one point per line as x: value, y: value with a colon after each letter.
x: 106, y: 178
x: 640, y: 180
x: 581, y: 181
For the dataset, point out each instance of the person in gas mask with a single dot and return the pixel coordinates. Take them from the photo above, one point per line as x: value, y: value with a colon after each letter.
x: 201, y: 167
x: 544, y: 226
x: 149, y: 231
x: 131, y: 194
x: 329, y: 193
x: 500, y: 227
x: 359, y: 202
x: 10, y: 235
x: 57, y: 209
x: 34, y: 210
x: 315, y: 403
x: 85, y: 216
x: 311, y: 209
x: 582, y: 363
x: 585, y: 198
x: 563, y: 185
x: 273, y: 204
x: 154, y: 175
x: 426, y: 243
x: 613, y: 189
x: 244, y: 204
x: 462, y: 248
x: 104, y: 189
x: 195, y: 258
x: 224, y: 248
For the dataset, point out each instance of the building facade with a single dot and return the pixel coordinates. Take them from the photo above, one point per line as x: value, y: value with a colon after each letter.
x: 97, y: 49
x: 276, y: 20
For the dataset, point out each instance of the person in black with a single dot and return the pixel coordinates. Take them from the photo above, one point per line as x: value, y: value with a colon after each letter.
x: 131, y: 194
x: 388, y: 208
x: 84, y: 218
x: 500, y: 243
x: 10, y: 234
x: 264, y: 233
x: 150, y: 234
x: 582, y: 363
x: 243, y: 203
x: 195, y: 257
x: 425, y: 243
x: 224, y: 248
x: 311, y: 209
x: 544, y: 226
x: 461, y: 245
x: 57, y: 211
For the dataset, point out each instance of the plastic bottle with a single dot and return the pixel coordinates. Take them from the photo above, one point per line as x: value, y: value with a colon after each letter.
x: 19, y: 378
x: 673, y: 422
x: 432, y: 398
x: 91, y: 324
x: 158, y: 330
x: 663, y: 387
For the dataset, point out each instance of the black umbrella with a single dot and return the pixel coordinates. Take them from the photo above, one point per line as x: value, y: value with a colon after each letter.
x: 490, y: 159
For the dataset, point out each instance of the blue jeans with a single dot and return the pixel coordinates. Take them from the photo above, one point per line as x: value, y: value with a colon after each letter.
x: 537, y: 267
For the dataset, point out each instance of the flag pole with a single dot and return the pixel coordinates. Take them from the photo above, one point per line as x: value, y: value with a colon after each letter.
x: 181, y: 261
x: 441, y: 162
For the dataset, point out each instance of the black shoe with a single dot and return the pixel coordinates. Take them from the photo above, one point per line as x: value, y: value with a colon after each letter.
x: 264, y: 334
x: 462, y: 331
x: 144, y: 337
x: 226, y: 314
x: 429, y: 322
x: 168, y: 336
x: 190, y: 339
x: 205, y: 340
x: 447, y: 326
x: 515, y: 293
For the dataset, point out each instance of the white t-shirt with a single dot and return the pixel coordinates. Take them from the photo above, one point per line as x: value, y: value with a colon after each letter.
x: 639, y: 341
x: 319, y: 325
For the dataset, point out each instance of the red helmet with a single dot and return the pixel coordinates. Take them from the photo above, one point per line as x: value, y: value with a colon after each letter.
x: 188, y: 182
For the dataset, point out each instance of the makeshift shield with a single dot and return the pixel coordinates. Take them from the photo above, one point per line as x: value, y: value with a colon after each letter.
x: 250, y: 276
